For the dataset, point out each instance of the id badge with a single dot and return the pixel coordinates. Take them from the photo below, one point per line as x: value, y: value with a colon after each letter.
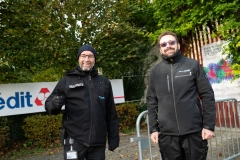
x: 72, y: 155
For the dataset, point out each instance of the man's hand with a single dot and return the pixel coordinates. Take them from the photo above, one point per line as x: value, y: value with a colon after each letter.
x: 112, y: 148
x: 58, y: 101
x: 154, y: 137
x: 207, y: 134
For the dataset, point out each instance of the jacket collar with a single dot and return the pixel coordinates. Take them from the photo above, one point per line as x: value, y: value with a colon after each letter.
x: 175, y: 58
x: 79, y: 71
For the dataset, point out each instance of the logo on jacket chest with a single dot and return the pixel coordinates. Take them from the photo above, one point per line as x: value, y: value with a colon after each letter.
x: 76, y: 85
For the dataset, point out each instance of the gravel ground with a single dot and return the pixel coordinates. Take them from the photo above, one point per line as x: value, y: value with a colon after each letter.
x: 126, y: 151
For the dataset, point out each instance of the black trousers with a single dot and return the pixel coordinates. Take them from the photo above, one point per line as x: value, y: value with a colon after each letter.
x: 84, y: 152
x: 185, y: 147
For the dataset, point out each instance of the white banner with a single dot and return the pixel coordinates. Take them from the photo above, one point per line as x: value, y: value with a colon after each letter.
x: 219, y: 71
x: 23, y: 98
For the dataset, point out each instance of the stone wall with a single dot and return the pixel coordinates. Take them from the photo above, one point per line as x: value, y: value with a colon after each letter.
x: 153, y: 51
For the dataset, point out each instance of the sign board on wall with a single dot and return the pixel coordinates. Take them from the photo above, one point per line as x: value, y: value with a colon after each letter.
x: 219, y: 71
x: 23, y: 98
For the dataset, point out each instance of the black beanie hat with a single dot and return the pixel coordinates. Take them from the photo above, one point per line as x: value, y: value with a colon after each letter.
x: 87, y: 47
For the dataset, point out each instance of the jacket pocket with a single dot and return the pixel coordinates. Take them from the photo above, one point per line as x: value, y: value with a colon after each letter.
x: 184, y: 74
x: 168, y: 83
x: 102, y: 94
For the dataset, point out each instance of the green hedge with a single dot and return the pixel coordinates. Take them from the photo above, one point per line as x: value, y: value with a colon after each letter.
x: 4, y: 133
x: 42, y: 128
x: 127, y: 114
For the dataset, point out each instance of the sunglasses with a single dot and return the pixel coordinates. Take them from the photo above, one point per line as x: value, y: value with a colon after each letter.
x: 164, y: 44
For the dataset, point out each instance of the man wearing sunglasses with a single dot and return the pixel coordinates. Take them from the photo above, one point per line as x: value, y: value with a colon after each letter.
x: 181, y: 104
x: 90, y: 117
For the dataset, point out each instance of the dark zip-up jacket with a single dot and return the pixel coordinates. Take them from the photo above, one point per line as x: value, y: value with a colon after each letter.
x: 174, y: 91
x: 90, y: 115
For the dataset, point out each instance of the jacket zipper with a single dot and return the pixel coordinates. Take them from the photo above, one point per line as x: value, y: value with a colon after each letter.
x: 91, y: 110
x: 168, y: 83
x: 174, y: 101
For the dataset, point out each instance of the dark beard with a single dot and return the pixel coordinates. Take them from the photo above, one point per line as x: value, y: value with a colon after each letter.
x: 171, y: 58
x: 166, y: 56
x: 89, y: 69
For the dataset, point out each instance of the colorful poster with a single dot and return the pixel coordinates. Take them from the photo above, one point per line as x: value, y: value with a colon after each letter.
x: 219, y: 71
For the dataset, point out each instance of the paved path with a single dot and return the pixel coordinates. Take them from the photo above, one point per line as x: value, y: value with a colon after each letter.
x: 126, y: 151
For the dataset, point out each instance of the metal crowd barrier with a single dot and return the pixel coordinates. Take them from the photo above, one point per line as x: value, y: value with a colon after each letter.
x: 225, y: 145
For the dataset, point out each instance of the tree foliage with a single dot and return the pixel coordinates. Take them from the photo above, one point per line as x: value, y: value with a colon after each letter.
x: 122, y: 45
x: 33, y: 39
x: 126, y: 49
x: 40, y: 39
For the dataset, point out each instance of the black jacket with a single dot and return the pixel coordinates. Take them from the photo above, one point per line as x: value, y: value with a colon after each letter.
x: 174, y: 90
x: 90, y: 115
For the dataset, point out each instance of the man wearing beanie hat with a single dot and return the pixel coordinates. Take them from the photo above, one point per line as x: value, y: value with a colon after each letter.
x: 90, y: 118
x: 87, y: 47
